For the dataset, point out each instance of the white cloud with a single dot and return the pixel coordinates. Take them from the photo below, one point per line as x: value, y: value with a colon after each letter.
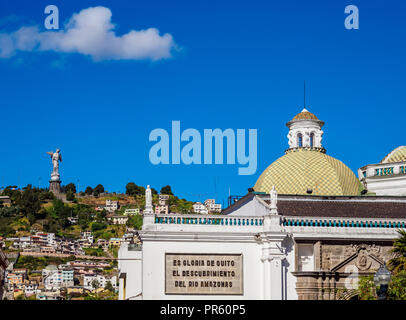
x: 90, y: 32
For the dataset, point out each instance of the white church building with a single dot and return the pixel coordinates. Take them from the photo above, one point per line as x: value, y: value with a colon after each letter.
x: 387, y: 177
x: 306, y: 230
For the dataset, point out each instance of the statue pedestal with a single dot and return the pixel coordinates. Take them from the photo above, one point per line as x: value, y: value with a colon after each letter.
x: 55, y: 187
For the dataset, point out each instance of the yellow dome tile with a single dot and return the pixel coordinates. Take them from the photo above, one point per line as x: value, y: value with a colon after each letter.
x: 397, y: 155
x: 305, y: 115
x: 300, y: 170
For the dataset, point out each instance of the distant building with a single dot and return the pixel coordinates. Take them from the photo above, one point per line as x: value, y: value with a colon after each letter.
x: 30, y: 287
x: 162, y: 209
x: 49, y: 295
x: 116, y: 219
x: 163, y: 206
x: 5, y: 201
x: 114, y: 242
x: 47, y: 249
x: 14, y: 279
x: 53, y: 277
x: 103, y: 243
x: 200, y: 208
x: 212, y: 206
x: 87, y: 235
x: 111, y: 205
x: 163, y: 199
x: 209, y: 206
x: 101, y: 280
x: 88, y: 264
x: 131, y: 211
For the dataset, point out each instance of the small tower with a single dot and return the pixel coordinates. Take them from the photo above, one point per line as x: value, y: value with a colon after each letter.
x: 305, y: 131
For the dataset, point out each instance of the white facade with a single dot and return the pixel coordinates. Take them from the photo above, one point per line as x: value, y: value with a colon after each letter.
x: 305, y: 133
x: 164, y: 209
x: 163, y: 199
x: 101, y: 280
x: 111, y: 205
x: 268, y: 244
x: 130, y: 277
x: 387, y: 177
x: 54, y: 278
x: 31, y: 288
x: 119, y: 219
x: 131, y: 211
x: 200, y: 208
x: 212, y: 206
x: 87, y: 236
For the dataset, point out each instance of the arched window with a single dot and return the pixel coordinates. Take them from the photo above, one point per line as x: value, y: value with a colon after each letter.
x: 299, y: 140
x: 312, y: 139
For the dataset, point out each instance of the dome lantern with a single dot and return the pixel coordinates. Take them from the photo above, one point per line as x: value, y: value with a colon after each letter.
x: 305, y: 131
x: 306, y: 169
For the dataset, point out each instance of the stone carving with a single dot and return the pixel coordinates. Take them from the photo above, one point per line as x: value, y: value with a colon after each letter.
x: 326, y: 257
x: 350, y: 250
x: 338, y: 259
x: 365, y: 255
x: 375, y: 250
x: 363, y: 261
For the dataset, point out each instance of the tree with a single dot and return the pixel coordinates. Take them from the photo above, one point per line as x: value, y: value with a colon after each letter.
x: 97, y: 190
x: 397, y: 285
x: 5, y: 227
x: 398, y: 263
x: 29, y: 203
x: 96, y: 226
x: 70, y: 187
x: 130, y: 188
x: 396, y: 288
x: 109, y: 286
x: 46, y: 195
x: 70, y: 196
x: 366, y: 288
x: 133, y: 190
x: 135, y: 222
x: 95, y: 284
x: 89, y: 191
x: 101, y: 215
x: 166, y: 190
x: 59, y: 213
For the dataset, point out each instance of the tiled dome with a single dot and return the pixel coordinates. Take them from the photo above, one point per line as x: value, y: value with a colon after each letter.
x: 305, y: 115
x: 397, y: 155
x: 300, y: 170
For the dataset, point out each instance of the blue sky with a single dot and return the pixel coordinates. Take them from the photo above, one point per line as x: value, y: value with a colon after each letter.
x: 237, y: 64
